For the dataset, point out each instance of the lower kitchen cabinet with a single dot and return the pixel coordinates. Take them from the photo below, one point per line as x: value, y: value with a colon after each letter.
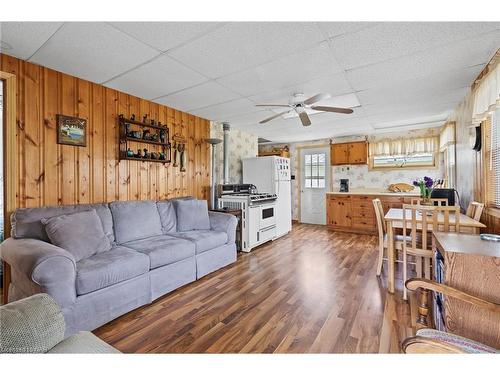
x: 355, y: 212
x: 342, y: 209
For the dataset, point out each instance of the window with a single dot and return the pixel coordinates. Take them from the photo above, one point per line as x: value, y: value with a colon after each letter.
x: 315, y: 171
x: 404, y: 161
x: 404, y: 152
x: 449, y: 165
x: 493, y: 162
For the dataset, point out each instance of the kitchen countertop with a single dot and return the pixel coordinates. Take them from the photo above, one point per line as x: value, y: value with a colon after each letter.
x: 414, y: 193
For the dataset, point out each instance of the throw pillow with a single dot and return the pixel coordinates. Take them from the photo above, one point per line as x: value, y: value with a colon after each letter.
x: 80, y: 233
x: 192, y: 215
x: 134, y: 220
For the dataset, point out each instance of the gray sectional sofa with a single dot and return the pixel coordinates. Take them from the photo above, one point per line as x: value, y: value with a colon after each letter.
x: 141, y: 251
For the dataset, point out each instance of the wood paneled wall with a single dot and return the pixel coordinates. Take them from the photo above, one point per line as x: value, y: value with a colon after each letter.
x: 52, y: 174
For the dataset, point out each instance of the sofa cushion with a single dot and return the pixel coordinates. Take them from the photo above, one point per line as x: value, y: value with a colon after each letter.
x: 163, y: 250
x: 134, y: 220
x: 109, y: 268
x: 204, y: 239
x: 80, y: 233
x: 192, y: 215
x: 26, y: 222
x: 168, y: 217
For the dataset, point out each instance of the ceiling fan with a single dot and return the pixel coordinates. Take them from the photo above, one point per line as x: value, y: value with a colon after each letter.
x: 300, y: 106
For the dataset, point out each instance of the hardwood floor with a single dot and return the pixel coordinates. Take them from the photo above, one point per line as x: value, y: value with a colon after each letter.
x: 311, y: 291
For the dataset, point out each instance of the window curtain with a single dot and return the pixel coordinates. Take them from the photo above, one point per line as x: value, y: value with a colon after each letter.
x: 486, y: 97
x: 447, y: 136
x: 404, y: 146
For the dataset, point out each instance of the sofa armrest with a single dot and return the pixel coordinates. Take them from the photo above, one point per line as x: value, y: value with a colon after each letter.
x: 31, y: 325
x: 49, y: 266
x: 224, y: 223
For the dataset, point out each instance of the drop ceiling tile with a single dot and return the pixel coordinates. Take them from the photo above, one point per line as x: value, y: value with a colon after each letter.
x: 403, y: 113
x: 334, y: 85
x: 295, y: 132
x: 410, y: 122
x: 250, y: 119
x: 238, y: 46
x: 335, y: 29
x: 302, y: 66
x: 467, y: 53
x: 394, y: 39
x: 160, y: 77
x: 200, y: 96
x: 223, y: 111
x: 434, y: 85
x: 22, y: 39
x: 165, y: 35
x: 92, y: 50
x: 451, y: 98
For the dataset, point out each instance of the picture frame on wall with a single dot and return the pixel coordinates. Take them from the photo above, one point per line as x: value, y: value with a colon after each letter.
x: 71, y: 131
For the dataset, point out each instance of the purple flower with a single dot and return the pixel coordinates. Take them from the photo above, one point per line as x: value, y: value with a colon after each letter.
x: 428, y: 182
x: 415, y: 183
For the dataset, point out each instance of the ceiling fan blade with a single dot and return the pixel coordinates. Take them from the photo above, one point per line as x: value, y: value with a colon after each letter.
x: 316, y: 98
x: 332, y: 109
x: 272, y: 105
x: 272, y: 117
x: 306, y: 121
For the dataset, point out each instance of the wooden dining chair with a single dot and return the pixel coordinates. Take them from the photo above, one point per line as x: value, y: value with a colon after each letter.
x: 439, y: 201
x: 424, y: 220
x: 382, y: 236
x: 475, y: 210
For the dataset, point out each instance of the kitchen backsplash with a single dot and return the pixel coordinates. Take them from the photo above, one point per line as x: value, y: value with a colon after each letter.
x: 241, y: 145
x: 361, y: 177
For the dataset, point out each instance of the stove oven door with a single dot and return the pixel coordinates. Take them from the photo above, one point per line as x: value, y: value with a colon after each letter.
x: 267, y: 216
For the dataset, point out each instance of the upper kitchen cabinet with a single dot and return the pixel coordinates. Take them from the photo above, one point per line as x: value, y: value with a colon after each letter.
x: 349, y: 153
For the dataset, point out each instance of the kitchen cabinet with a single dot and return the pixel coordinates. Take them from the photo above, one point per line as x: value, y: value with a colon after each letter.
x: 358, y: 152
x: 349, y: 153
x: 339, y: 212
x: 339, y: 154
x: 355, y: 212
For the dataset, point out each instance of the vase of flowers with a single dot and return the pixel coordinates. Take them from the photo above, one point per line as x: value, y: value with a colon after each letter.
x: 426, y: 186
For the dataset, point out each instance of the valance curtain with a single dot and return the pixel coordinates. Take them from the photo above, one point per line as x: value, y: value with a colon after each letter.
x: 447, y: 136
x: 404, y: 146
x: 487, y: 96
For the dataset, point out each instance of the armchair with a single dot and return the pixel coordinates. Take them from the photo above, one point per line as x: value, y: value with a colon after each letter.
x: 429, y: 340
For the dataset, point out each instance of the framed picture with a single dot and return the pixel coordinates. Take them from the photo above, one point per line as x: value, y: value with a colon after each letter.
x: 71, y: 131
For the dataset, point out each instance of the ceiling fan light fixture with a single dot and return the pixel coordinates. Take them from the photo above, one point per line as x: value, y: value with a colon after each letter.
x: 303, y: 108
x: 300, y: 109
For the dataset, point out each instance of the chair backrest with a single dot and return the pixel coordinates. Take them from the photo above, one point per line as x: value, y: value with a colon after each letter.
x: 475, y: 210
x: 428, y: 219
x: 434, y: 201
x: 444, y: 225
x: 379, y: 215
x: 418, y: 220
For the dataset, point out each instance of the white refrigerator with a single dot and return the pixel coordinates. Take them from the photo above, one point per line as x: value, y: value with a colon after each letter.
x: 271, y: 174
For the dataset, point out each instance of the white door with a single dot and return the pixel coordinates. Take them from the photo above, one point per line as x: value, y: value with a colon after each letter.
x: 315, y: 182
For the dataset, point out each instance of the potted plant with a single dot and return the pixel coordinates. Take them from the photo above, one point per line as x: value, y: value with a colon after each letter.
x: 426, y: 186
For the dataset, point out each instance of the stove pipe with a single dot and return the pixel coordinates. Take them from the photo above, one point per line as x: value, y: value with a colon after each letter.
x: 213, y: 191
x: 226, y: 127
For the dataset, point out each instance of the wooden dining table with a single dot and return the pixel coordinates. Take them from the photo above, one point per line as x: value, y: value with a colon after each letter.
x: 394, y: 220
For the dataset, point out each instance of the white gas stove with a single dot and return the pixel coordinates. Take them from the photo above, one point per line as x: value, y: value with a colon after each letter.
x: 257, y: 213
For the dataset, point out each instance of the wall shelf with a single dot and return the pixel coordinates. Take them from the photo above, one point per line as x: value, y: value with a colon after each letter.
x: 145, y: 160
x: 158, y: 146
